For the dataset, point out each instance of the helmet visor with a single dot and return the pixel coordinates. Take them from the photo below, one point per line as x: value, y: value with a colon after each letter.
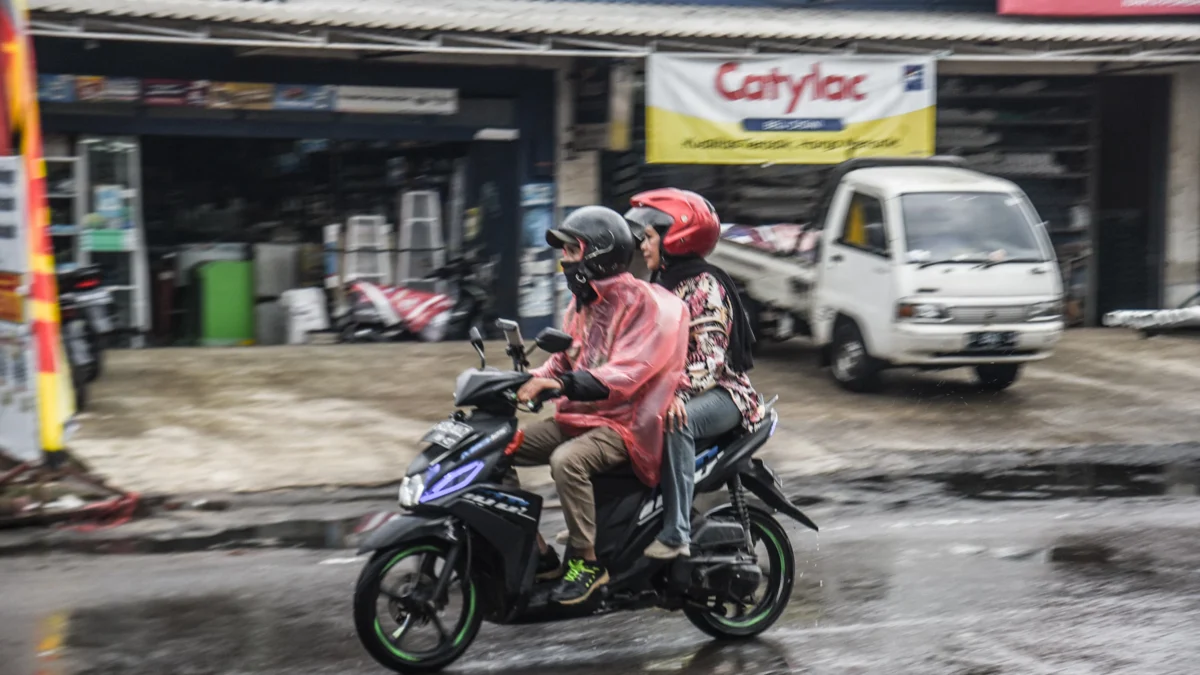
x: 647, y: 216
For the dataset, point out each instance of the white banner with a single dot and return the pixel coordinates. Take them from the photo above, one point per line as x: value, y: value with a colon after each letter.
x: 396, y: 100
x: 793, y: 109
x: 18, y: 357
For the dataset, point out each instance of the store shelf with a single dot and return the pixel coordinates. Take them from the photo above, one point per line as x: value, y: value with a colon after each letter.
x: 63, y: 230
x: 60, y: 195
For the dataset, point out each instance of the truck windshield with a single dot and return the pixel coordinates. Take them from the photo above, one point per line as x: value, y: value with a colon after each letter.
x: 968, y: 227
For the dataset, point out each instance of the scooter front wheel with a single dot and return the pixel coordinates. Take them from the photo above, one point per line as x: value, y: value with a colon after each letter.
x: 400, y: 622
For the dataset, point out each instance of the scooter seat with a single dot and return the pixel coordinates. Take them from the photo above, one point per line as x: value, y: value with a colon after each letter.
x: 622, y: 470
x: 723, y: 440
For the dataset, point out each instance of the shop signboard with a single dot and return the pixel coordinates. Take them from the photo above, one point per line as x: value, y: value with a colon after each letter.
x: 165, y: 92
x: 304, y: 97
x: 396, y: 100
x: 56, y: 88
x: 107, y: 89
x: 788, y: 109
x: 197, y: 95
x: 1099, y: 7
x: 248, y: 95
x: 240, y: 96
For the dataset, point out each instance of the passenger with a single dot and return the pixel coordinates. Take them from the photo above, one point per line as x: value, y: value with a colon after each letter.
x: 680, y: 228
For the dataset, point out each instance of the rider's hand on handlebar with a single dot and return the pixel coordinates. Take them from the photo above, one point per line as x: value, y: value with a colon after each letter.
x: 531, y: 390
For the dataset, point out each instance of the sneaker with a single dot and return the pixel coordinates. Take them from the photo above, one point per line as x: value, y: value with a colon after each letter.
x: 549, y: 566
x: 661, y: 551
x: 582, y: 577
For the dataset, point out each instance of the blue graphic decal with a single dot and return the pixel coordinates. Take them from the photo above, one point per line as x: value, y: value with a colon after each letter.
x: 453, y: 481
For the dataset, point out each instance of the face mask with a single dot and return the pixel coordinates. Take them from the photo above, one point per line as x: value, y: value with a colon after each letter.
x: 579, y: 284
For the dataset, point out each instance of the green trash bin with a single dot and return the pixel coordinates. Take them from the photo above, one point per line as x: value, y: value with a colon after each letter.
x: 226, y: 303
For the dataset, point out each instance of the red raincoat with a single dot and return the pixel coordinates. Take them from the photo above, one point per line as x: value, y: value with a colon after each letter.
x: 633, y: 339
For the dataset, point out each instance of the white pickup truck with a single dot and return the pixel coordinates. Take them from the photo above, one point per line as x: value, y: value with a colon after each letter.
x: 918, y: 263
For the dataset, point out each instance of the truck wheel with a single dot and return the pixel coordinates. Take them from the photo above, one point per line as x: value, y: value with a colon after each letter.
x: 997, y: 376
x: 852, y: 366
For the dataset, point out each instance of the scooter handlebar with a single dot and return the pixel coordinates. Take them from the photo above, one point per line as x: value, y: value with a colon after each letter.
x: 536, y: 404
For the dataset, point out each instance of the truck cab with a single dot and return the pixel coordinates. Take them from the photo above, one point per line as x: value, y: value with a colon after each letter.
x: 921, y: 263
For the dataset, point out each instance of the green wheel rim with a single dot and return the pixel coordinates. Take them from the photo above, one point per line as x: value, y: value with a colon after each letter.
x: 462, y: 633
x: 766, y: 611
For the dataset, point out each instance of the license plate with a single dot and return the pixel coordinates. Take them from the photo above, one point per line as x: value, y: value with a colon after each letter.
x: 448, y: 433
x: 991, y: 341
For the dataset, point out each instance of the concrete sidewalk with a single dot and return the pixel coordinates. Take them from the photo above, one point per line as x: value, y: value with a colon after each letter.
x: 254, y: 419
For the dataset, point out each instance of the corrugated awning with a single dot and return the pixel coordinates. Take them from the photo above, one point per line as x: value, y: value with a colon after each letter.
x: 629, y: 23
x: 635, y: 20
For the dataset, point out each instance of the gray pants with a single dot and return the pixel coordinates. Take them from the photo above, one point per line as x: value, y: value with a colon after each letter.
x: 709, y: 414
x: 573, y: 462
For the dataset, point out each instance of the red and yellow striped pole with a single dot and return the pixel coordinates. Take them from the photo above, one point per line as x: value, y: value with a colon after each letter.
x: 55, y: 401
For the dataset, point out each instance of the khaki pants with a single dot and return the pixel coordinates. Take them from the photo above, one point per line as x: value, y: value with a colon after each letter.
x: 573, y: 461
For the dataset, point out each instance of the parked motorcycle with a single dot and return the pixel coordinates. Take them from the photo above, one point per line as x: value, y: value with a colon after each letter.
x: 90, y: 306
x: 466, y: 551
x: 384, y: 313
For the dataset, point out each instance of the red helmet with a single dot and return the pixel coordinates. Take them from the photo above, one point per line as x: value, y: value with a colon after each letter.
x: 687, y: 222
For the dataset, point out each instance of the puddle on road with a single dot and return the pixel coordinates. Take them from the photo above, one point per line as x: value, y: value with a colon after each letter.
x: 202, y: 635
x: 1059, y: 481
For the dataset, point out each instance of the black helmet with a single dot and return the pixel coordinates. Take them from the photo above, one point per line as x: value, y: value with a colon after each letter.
x: 608, y: 244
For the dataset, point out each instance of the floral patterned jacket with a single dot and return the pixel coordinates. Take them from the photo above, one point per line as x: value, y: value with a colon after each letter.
x: 708, y: 340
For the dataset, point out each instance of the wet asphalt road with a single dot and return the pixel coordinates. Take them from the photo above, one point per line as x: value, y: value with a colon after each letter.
x: 956, y: 588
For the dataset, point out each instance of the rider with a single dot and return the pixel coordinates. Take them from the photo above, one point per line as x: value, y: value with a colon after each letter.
x: 618, y: 379
x: 714, y: 396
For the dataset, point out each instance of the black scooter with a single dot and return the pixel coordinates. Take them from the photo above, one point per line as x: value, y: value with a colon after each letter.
x: 86, y: 318
x: 467, y: 549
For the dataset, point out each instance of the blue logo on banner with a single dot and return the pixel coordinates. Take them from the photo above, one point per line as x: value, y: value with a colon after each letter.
x: 914, y: 78
x: 789, y: 124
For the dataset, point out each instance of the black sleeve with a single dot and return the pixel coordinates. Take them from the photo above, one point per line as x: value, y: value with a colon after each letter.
x: 580, y: 385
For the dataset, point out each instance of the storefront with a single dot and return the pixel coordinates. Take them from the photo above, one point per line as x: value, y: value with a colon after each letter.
x: 1090, y: 150
x: 1073, y: 111
x: 169, y: 156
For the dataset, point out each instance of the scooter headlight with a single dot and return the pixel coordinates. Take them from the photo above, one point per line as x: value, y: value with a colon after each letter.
x: 411, y: 489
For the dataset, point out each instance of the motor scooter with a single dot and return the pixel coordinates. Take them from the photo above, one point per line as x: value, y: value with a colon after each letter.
x: 90, y: 324
x: 378, y: 313
x: 466, y: 549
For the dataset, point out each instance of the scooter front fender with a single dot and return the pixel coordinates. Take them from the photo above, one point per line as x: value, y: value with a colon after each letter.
x: 759, y: 480
x: 408, y: 527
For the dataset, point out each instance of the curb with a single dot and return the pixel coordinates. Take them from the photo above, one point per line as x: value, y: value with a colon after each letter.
x: 311, y: 519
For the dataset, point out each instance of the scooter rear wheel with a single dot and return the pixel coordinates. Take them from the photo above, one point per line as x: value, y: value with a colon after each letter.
x: 399, y: 622
x: 774, y: 550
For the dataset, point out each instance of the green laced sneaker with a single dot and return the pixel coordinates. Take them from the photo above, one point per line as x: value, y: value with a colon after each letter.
x: 581, y: 578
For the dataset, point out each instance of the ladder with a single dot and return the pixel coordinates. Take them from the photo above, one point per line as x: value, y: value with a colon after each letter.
x: 420, y: 240
x: 367, y: 249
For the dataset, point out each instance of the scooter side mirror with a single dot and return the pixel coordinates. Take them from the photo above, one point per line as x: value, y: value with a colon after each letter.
x: 554, y: 341
x: 477, y: 343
